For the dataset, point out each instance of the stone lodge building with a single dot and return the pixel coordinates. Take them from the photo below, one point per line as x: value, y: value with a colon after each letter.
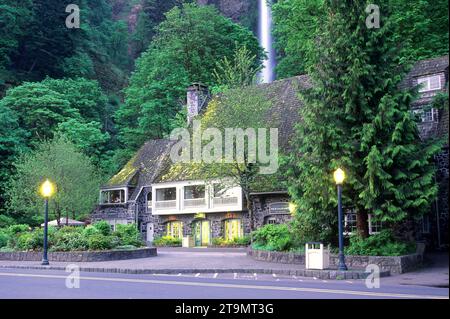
x: 140, y: 193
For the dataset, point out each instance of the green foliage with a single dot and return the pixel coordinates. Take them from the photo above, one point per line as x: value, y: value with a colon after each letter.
x: 128, y: 235
x: 356, y: 117
x: 76, y: 179
x: 273, y: 237
x: 236, y: 242
x: 103, y: 227
x: 167, y: 241
x: 297, y: 26
x: 185, y: 50
x: 381, y: 244
x: 102, y: 242
x: 239, y: 72
x: 4, y: 237
x: 6, y: 221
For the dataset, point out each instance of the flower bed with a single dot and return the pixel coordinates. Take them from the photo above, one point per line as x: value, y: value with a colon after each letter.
x: 20, y: 238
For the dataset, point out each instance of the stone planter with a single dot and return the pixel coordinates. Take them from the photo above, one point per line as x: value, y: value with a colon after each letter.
x: 81, y: 256
x: 393, y: 264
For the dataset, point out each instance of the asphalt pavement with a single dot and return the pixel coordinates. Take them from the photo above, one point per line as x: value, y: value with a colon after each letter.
x: 50, y: 284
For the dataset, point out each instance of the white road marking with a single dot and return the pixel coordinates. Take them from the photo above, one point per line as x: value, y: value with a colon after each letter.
x: 349, y: 282
x: 197, y: 275
x: 215, y: 275
x: 236, y: 286
x: 274, y: 275
x: 235, y: 275
x: 294, y: 276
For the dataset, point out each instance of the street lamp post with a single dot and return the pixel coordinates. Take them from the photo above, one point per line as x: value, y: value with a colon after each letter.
x: 339, y: 176
x: 47, y: 190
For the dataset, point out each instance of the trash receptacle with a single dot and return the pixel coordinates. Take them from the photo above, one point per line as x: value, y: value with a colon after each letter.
x: 316, y: 256
x: 187, y: 242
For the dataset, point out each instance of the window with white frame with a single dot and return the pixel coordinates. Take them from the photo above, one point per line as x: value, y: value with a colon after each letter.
x: 116, y: 196
x: 349, y: 223
x: 375, y: 225
x: 429, y: 83
x: 427, y: 114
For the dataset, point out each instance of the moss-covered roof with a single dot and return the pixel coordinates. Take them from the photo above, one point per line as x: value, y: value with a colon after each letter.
x: 144, y: 167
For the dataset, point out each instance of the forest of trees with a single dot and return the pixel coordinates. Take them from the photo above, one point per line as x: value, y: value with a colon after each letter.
x: 105, y: 88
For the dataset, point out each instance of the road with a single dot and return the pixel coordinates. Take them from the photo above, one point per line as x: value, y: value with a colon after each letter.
x: 49, y: 284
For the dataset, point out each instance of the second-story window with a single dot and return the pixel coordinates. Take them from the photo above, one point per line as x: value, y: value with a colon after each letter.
x: 429, y: 83
x: 194, y: 195
x: 165, y: 194
x: 166, y: 198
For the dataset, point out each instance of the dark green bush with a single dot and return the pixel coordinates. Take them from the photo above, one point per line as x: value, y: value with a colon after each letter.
x: 69, y: 240
x: 167, y: 241
x: 20, y: 228
x: 128, y: 235
x: 6, y: 221
x: 4, y: 238
x: 103, y: 227
x: 102, y: 242
x: 90, y: 231
x: 381, y: 244
x: 273, y: 237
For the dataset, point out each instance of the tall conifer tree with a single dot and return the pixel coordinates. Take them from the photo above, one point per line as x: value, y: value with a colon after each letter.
x: 356, y: 116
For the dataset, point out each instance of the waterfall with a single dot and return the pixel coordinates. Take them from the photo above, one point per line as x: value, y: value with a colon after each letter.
x: 267, y: 75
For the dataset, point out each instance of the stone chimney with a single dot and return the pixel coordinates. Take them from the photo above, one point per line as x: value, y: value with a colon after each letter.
x: 197, y: 99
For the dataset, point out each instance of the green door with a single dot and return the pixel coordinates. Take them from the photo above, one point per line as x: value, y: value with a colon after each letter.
x: 201, y: 233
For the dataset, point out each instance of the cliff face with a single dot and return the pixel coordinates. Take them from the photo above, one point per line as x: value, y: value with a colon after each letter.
x: 233, y: 9
x: 243, y: 11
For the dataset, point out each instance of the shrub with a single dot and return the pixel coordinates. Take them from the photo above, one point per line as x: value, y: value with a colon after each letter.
x: 273, y: 237
x: 242, y: 241
x: 24, y: 242
x: 219, y: 241
x: 90, y: 231
x: 102, y: 242
x: 16, y: 229
x: 167, y: 241
x: 6, y: 221
x: 381, y: 244
x: 128, y: 235
x: 4, y: 238
x: 69, y: 240
x: 103, y: 227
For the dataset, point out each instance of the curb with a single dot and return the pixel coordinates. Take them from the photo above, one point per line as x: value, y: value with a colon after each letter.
x: 319, y: 274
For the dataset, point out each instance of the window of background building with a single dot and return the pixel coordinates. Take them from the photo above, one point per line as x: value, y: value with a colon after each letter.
x: 429, y: 83
x: 165, y: 194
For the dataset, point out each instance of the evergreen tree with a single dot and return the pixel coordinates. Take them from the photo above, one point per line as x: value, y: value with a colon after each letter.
x: 356, y: 117
x: 187, y: 46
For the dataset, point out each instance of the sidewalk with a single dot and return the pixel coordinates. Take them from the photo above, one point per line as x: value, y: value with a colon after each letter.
x: 433, y: 274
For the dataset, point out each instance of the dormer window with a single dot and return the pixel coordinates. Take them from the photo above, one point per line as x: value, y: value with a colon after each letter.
x: 429, y: 83
x: 115, y: 196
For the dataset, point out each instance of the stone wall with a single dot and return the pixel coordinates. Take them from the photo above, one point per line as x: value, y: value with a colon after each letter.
x: 262, y: 212
x: 81, y: 256
x: 393, y: 264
